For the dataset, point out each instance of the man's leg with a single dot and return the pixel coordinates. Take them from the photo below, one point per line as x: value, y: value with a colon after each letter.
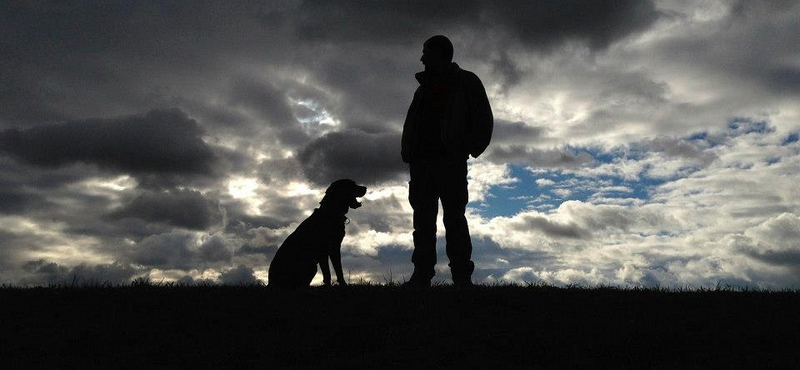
x: 424, y: 200
x: 454, y: 194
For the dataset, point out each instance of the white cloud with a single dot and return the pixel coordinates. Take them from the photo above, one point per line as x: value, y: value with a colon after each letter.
x: 545, y: 182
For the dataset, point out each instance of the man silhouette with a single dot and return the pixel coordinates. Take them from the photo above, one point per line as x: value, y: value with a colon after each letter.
x: 448, y: 120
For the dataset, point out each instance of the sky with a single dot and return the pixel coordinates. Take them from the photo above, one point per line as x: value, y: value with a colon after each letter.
x: 636, y: 143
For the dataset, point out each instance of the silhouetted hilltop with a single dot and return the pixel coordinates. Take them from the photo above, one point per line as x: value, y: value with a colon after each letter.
x: 369, y: 326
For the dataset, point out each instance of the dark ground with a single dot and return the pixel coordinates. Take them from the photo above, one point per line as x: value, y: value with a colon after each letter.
x: 377, y: 327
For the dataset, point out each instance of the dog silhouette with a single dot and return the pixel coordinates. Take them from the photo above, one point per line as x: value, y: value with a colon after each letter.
x: 316, y: 239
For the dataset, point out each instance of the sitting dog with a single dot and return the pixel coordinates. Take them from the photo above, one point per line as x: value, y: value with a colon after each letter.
x: 315, y: 239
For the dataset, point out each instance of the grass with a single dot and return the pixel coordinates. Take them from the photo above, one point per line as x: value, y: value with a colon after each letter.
x: 156, y: 325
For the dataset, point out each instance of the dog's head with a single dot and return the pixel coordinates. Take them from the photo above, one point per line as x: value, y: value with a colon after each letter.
x: 345, y: 191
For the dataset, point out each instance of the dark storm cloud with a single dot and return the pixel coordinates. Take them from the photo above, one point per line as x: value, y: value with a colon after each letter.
x: 366, y: 158
x: 549, y: 158
x: 757, y: 42
x: 136, y: 54
x: 183, y: 208
x: 553, y: 229
x: 781, y: 258
x: 170, y: 250
x: 265, y: 98
x: 161, y: 141
x: 271, y: 104
x: 785, y: 79
x: 676, y: 148
x: 378, y: 45
x: 179, y: 250
x: 507, y: 70
x: 214, y: 250
x: 239, y: 221
x: 373, y: 88
x: 596, y: 22
x: 15, y: 202
x: 277, y: 171
x: 507, y: 132
x: 379, y: 215
x: 250, y: 249
x: 114, y: 232
x: 17, y: 176
x: 535, y: 24
x: 21, y: 103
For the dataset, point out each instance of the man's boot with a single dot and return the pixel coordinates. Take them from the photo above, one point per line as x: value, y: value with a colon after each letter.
x: 421, y: 278
x: 462, y: 273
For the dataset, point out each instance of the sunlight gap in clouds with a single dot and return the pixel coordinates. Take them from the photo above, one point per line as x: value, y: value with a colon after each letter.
x: 110, y: 188
x: 296, y: 189
x: 244, y: 188
x: 318, y: 123
x: 56, y: 245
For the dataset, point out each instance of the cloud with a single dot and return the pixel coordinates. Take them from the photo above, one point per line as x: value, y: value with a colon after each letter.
x: 183, y: 208
x: 249, y: 249
x: 238, y: 275
x: 15, y: 201
x: 215, y: 249
x: 534, y: 24
x: 781, y: 232
x: 42, y: 272
x: 183, y: 250
x: 159, y: 142
x: 523, y: 154
x: 168, y: 250
x: 553, y: 229
x: 271, y: 105
x: 545, y: 182
x: 509, y: 133
x: 776, y: 241
x: 366, y: 158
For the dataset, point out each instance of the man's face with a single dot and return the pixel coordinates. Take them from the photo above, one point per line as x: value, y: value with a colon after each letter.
x: 432, y: 58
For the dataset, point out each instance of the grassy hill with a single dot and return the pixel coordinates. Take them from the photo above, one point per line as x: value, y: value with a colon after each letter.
x: 369, y: 326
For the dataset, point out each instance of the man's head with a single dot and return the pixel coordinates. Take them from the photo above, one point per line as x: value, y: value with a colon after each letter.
x: 437, y: 53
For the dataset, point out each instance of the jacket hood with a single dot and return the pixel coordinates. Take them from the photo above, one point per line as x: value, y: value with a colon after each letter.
x: 423, y: 77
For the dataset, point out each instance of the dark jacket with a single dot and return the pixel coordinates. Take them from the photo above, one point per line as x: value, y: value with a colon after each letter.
x: 466, y: 128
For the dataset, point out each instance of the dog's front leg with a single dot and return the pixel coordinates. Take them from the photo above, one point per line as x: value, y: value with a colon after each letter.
x: 326, y: 270
x: 336, y: 259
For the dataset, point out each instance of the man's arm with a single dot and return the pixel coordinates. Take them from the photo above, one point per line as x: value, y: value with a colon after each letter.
x: 409, y: 128
x: 481, y: 118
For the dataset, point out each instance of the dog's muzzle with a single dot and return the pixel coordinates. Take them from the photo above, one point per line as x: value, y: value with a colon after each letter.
x: 359, y: 192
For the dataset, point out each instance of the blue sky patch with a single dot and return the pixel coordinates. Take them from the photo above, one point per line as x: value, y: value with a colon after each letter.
x: 545, y: 191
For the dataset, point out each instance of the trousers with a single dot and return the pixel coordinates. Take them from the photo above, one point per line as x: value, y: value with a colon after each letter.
x: 429, y: 183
